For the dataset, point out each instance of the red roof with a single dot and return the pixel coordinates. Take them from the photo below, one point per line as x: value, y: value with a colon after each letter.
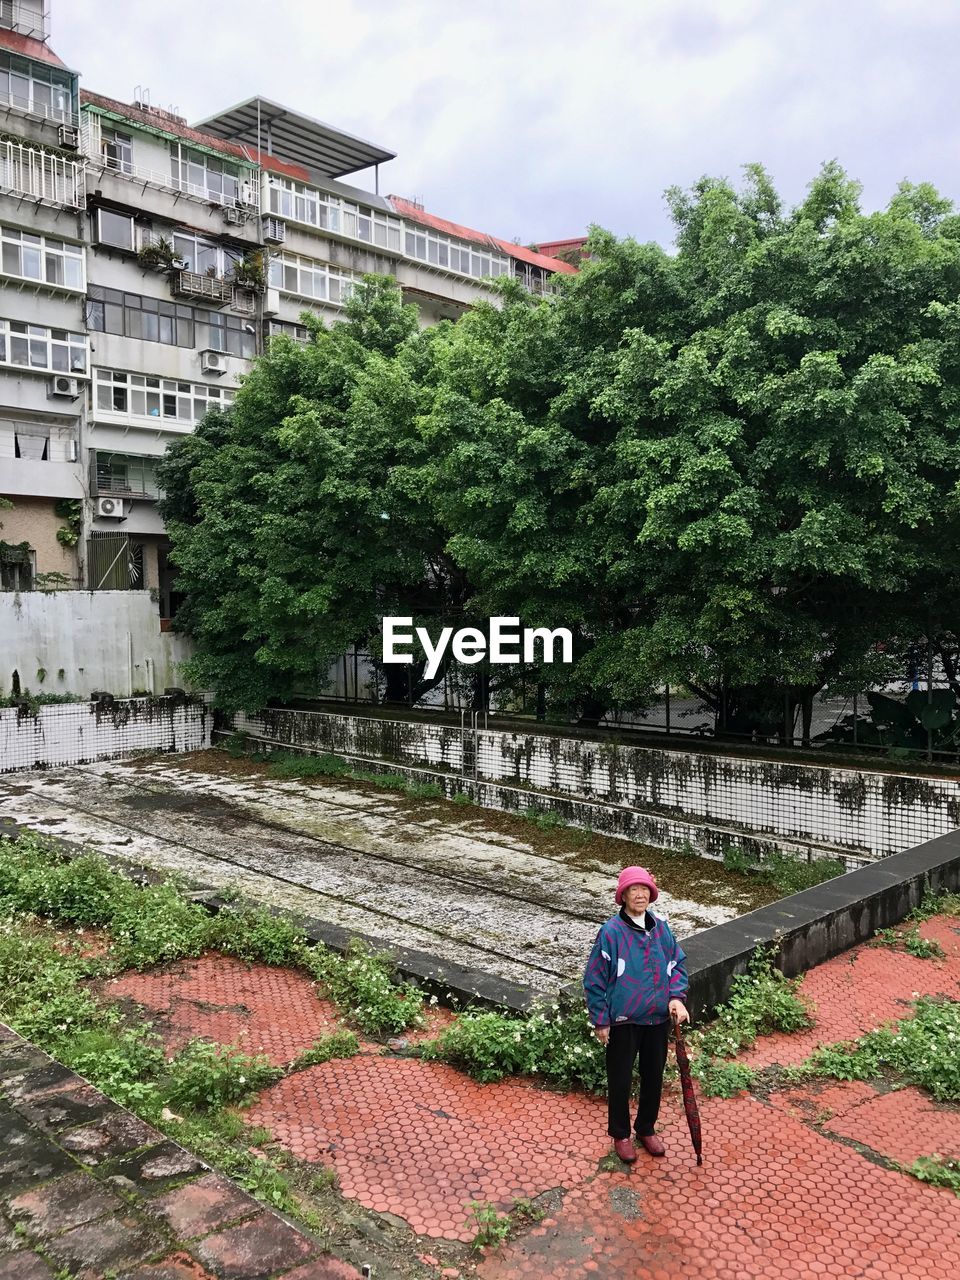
x: 413, y: 213
x: 153, y: 120
x: 552, y: 247
x: 30, y: 48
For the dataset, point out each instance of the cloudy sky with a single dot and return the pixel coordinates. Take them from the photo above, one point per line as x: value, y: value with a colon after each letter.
x: 534, y: 118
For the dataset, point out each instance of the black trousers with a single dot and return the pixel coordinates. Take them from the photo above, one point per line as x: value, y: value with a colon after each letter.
x: 628, y: 1044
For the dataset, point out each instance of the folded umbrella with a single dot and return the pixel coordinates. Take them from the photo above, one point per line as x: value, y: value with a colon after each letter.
x: 686, y: 1085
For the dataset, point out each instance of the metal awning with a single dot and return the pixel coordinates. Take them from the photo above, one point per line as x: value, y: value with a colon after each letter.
x: 290, y: 135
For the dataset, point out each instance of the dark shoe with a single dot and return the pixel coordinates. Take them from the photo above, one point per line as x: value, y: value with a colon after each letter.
x: 625, y: 1149
x: 651, y: 1143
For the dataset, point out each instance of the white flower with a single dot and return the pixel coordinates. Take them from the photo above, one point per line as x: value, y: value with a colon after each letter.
x: 242, y: 1079
x: 433, y: 1000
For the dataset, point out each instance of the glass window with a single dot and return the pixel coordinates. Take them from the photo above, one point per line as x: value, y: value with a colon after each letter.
x: 116, y: 229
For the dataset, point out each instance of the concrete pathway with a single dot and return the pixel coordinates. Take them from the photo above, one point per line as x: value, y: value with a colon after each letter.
x: 89, y: 1190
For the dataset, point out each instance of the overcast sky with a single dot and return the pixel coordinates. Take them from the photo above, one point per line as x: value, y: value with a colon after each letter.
x: 534, y: 118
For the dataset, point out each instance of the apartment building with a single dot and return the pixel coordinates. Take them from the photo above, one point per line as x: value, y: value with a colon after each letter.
x: 145, y: 263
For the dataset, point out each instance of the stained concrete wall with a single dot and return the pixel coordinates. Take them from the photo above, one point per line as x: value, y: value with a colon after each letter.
x: 708, y: 799
x: 77, y: 732
x: 85, y: 641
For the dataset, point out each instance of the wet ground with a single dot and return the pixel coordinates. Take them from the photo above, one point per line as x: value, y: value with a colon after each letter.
x: 484, y: 890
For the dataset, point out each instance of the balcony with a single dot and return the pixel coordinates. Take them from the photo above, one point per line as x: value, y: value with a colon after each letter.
x: 114, y: 475
x: 26, y: 18
x: 188, y: 284
x: 215, y: 289
x: 41, y: 175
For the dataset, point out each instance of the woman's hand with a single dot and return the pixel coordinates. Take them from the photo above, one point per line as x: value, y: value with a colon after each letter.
x: 602, y: 1034
x: 678, y: 1010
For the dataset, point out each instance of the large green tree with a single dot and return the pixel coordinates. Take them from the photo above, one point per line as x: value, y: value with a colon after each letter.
x: 733, y: 467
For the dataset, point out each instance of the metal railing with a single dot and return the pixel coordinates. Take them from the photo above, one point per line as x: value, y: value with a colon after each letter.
x: 41, y: 174
x: 27, y: 19
x: 190, y: 284
x: 157, y: 178
x: 39, y: 110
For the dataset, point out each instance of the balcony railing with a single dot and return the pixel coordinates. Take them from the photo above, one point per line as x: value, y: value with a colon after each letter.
x: 189, y: 284
x: 40, y: 174
x: 157, y: 178
x: 27, y: 19
x: 122, y: 477
x: 39, y: 110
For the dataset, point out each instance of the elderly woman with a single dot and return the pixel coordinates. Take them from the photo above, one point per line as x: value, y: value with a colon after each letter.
x: 635, y: 981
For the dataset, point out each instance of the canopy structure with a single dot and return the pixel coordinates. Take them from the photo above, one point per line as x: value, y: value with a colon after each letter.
x: 266, y: 126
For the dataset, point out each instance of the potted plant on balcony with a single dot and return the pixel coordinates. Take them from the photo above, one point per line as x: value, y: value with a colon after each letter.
x: 250, y: 272
x: 160, y: 255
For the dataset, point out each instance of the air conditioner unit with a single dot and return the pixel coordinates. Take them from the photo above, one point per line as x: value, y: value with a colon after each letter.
x: 110, y: 508
x: 69, y: 137
x: 234, y: 216
x: 274, y: 230
x: 63, y: 387
x: 213, y: 362
x: 271, y: 302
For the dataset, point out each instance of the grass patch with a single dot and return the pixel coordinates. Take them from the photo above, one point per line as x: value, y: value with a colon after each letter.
x: 922, y: 1050
x: 942, y: 1173
x: 788, y: 875
x: 363, y: 982
x: 553, y: 1043
x: 338, y: 1044
x: 543, y: 819
x: 909, y: 940
x: 286, y: 764
x: 494, y: 1227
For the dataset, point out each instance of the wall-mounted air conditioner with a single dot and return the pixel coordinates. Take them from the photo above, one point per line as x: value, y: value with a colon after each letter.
x: 62, y: 387
x: 213, y: 362
x: 69, y: 137
x: 271, y: 302
x: 274, y: 230
x: 233, y: 216
x: 110, y: 508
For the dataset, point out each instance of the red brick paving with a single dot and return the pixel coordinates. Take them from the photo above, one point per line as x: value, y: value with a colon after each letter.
x: 782, y: 1193
x: 773, y: 1199
x: 903, y: 1126
x: 421, y: 1140
x: 253, y: 1006
x: 861, y: 989
x: 178, y: 1266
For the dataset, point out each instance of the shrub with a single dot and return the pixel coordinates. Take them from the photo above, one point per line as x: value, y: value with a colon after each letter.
x: 338, y: 1044
x: 761, y: 1000
x: 206, y: 1076
x: 363, y: 983
x: 257, y: 934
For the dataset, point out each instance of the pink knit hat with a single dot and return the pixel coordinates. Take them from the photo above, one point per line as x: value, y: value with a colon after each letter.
x: 636, y: 875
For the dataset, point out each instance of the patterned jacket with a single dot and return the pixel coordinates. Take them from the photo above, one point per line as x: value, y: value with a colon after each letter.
x: 633, y: 974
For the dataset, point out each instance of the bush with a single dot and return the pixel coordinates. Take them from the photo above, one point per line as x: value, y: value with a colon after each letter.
x: 787, y: 874
x: 257, y: 934
x: 363, y: 984
x: 208, y: 1076
x: 761, y: 1000
x: 557, y: 1045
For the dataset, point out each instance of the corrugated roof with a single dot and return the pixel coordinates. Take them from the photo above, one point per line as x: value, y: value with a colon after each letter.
x: 28, y: 47
x: 413, y: 213
x: 328, y: 150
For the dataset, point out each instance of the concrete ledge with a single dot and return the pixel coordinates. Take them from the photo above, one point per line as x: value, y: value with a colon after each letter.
x: 819, y: 923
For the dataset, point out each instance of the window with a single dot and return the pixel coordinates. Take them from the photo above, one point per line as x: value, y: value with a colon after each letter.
x: 205, y: 175
x: 206, y: 257
x: 17, y: 567
x: 32, y: 346
x: 175, y: 324
x: 442, y: 251
x: 116, y: 229
x: 40, y: 258
x: 309, y: 279
x: 117, y: 150
x: 298, y: 332
x: 229, y: 334
x: 137, y: 395
x: 35, y: 89
x: 331, y: 213
x: 125, y: 474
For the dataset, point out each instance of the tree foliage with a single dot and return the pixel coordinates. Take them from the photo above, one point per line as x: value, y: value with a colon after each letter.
x: 733, y: 467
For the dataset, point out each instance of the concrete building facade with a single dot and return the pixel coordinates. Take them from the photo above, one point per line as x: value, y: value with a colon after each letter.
x: 145, y: 262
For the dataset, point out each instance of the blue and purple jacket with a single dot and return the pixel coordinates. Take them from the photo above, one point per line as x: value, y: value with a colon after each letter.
x: 633, y: 974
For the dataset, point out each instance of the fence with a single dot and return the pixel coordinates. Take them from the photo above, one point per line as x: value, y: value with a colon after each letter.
x: 78, y: 732
x: 837, y: 722
x: 865, y: 812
